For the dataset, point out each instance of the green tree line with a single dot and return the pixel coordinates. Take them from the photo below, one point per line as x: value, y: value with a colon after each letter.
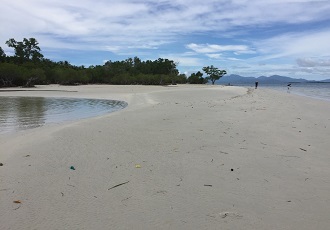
x: 28, y: 67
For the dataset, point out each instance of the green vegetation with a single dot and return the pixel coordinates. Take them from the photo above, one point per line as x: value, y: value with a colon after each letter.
x: 29, y: 67
x: 213, y: 73
x: 197, y: 78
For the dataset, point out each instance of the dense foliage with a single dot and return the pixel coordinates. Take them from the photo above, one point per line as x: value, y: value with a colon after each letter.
x: 214, y: 73
x: 29, y: 67
x: 197, y: 78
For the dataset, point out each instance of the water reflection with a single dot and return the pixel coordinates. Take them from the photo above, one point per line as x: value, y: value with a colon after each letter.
x: 19, y: 113
x: 27, y: 107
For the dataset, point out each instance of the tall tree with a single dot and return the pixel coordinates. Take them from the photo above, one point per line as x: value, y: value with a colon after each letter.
x: 32, y: 50
x: 27, y: 50
x: 2, y: 55
x: 214, y: 73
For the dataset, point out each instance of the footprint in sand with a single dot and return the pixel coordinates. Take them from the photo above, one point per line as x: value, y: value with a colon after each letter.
x: 234, y: 215
x: 226, y: 215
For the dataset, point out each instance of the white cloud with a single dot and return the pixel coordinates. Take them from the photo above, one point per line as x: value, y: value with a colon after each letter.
x: 112, y: 48
x: 311, y: 62
x: 150, y: 27
x: 215, y: 56
x: 128, y: 21
x: 213, y: 48
x: 310, y: 43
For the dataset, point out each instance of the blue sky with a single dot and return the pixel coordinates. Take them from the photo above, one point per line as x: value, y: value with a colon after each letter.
x: 245, y: 37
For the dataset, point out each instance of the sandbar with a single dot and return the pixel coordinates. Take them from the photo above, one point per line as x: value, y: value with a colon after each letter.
x: 177, y: 157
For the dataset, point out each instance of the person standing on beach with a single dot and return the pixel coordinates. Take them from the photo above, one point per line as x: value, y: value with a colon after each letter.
x: 256, y: 84
x: 289, y: 86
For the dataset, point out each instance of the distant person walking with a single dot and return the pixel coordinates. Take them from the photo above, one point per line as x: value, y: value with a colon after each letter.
x: 256, y: 84
x: 289, y: 86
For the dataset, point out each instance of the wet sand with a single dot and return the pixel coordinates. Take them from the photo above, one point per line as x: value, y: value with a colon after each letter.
x: 178, y: 157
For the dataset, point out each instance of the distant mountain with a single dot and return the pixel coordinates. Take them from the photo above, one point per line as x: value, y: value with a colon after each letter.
x: 234, y: 79
x: 279, y: 79
x: 275, y: 79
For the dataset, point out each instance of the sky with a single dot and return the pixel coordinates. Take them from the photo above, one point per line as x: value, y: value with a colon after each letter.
x: 247, y: 37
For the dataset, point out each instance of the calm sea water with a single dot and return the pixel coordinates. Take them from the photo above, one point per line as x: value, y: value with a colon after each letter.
x: 314, y: 90
x: 20, y: 113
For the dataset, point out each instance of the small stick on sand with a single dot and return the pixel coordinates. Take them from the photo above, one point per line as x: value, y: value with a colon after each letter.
x: 118, y: 185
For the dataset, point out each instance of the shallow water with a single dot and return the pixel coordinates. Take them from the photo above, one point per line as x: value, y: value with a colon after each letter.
x: 314, y: 90
x: 20, y: 113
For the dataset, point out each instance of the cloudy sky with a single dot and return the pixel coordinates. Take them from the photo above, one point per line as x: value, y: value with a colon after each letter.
x: 246, y: 37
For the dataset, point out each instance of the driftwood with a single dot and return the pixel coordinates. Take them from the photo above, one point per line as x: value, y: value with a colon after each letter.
x: 29, y: 82
x: 118, y: 185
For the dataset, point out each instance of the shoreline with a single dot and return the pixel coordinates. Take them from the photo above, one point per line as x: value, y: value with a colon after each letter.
x: 276, y: 87
x: 179, y: 157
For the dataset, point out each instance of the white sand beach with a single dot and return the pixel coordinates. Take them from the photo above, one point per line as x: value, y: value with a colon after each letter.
x: 178, y: 157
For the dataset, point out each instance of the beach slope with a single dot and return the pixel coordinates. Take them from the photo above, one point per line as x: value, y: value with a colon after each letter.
x: 178, y: 157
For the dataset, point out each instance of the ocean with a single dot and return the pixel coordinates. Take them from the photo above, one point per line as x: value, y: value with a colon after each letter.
x: 319, y: 91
